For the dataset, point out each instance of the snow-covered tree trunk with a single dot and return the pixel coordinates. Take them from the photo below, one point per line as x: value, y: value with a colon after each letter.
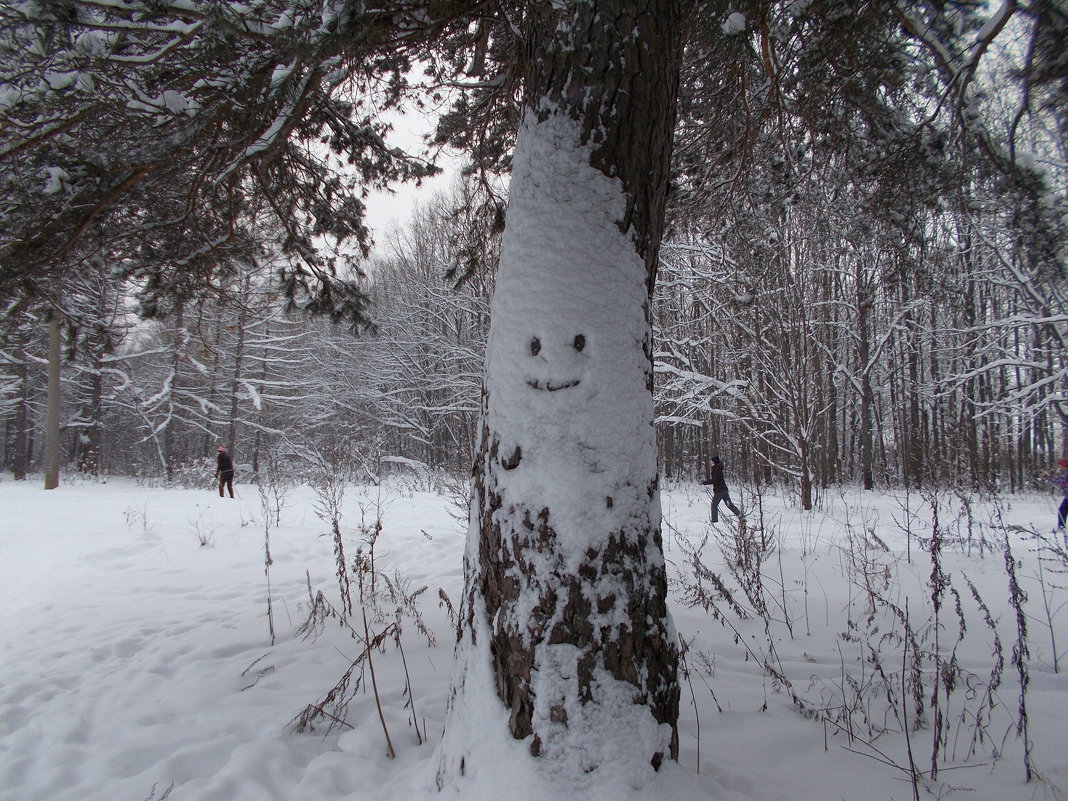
x: 565, y: 621
x: 171, y: 438
x: 90, y: 438
x: 234, y: 420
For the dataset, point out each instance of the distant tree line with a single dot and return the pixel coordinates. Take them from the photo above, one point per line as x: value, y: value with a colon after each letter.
x: 863, y: 279
x: 838, y: 360
x: 153, y: 397
x: 868, y: 275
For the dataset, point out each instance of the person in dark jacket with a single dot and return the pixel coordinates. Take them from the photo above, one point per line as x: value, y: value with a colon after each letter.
x: 720, y: 493
x: 224, y: 471
x: 1061, y: 480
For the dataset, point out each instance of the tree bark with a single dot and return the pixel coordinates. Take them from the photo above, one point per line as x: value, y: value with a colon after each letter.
x: 21, y: 457
x: 863, y: 309
x: 804, y: 459
x: 565, y: 595
x: 51, y: 462
x: 178, y: 356
x: 91, y: 438
x: 234, y: 422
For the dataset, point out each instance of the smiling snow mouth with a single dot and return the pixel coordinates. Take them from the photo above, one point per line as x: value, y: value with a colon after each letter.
x: 550, y: 386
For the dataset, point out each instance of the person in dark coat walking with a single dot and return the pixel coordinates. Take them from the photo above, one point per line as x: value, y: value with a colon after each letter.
x: 1061, y: 480
x: 224, y: 471
x: 720, y: 493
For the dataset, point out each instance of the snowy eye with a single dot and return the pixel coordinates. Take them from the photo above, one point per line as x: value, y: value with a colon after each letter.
x: 580, y: 342
x: 535, y: 346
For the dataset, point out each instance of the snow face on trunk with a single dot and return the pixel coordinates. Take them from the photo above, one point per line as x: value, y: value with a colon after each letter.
x: 564, y: 603
x: 566, y: 365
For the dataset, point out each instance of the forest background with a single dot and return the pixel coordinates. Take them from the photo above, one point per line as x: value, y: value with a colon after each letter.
x: 872, y: 297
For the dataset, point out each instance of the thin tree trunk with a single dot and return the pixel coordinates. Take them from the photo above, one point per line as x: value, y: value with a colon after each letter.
x: 235, y: 384
x: 211, y: 440
x: 89, y: 452
x: 803, y: 449
x: 865, y: 302
x: 20, y: 458
x: 52, y: 450
x: 170, y: 433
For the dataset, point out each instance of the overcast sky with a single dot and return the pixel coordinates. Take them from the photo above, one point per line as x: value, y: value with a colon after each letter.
x: 386, y: 210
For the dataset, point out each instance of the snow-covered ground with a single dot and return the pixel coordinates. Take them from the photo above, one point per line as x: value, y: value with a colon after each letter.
x: 136, y: 660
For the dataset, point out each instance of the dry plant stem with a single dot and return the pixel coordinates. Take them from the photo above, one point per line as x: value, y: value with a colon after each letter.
x: 265, y: 506
x: 319, y: 600
x: 366, y: 571
x: 374, y: 686
x: 970, y: 540
x: 259, y: 673
x: 807, y: 547
x: 1020, y: 652
x: 164, y: 797
x: 989, y: 699
x: 710, y: 669
x: 277, y: 484
x: 335, y: 719
x: 1054, y: 551
x: 878, y: 755
x: 937, y: 584
x: 765, y: 542
x: 267, y: 562
x: 1049, y: 616
x: 904, y: 710
x: 745, y: 554
x: 372, y: 596
x: 684, y: 648
x: 782, y: 585
x: 329, y: 485
x: 696, y: 594
x: 342, y: 570
x: 408, y: 687
x: 848, y: 728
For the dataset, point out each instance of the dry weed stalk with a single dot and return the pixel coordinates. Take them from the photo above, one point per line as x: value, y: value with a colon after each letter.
x: 908, y: 673
x: 265, y: 507
x: 1020, y: 652
x: 205, y: 532
x: 745, y: 550
x: 385, y: 603
x: 982, y: 714
x: 274, y: 483
x: 166, y: 793
x: 1052, y: 558
x: 329, y: 484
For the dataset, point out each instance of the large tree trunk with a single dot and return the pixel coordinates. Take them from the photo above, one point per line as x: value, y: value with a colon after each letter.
x: 565, y: 598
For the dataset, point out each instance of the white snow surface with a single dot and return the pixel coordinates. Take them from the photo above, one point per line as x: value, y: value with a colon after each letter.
x: 734, y: 24
x: 134, y: 659
x: 54, y: 179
